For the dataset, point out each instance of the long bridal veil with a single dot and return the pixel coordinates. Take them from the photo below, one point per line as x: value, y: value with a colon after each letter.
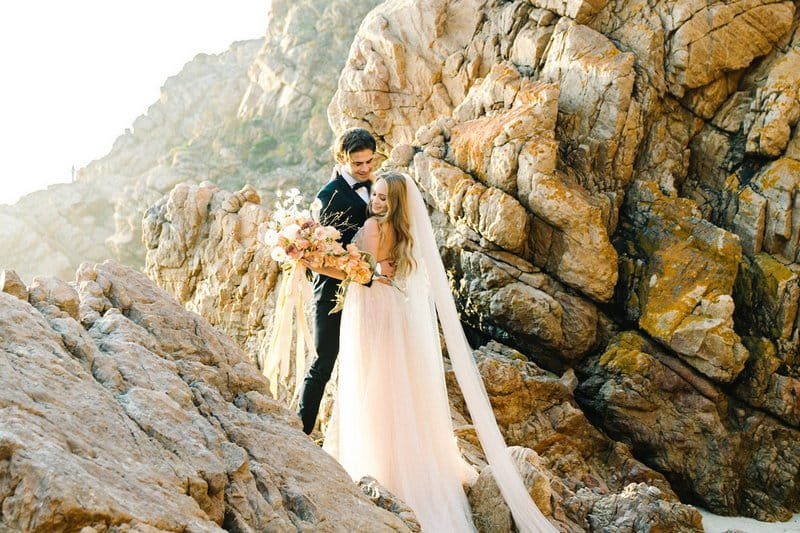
x: 426, y: 304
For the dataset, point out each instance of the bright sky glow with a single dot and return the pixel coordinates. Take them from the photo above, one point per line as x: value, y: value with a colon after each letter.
x: 76, y: 73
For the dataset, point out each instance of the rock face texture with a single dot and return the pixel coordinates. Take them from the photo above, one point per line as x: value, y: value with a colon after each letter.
x: 605, y: 179
x: 122, y: 411
x: 203, y: 247
x: 603, y: 167
x: 726, y: 453
x: 293, y: 78
x: 576, y: 475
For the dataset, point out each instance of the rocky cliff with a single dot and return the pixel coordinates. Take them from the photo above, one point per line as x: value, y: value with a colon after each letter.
x: 615, y: 187
x: 204, y: 248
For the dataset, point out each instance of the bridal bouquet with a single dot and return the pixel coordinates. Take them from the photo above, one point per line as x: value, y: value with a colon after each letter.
x: 297, y: 238
x: 295, y: 234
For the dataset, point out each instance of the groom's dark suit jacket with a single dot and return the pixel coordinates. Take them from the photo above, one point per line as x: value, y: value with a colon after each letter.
x: 345, y: 210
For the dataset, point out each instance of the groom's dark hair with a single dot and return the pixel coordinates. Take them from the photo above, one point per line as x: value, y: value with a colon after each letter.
x: 351, y: 141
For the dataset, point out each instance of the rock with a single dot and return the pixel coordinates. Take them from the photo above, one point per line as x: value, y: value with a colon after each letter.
x: 253, y: 114
x: 490, y: 511
x: 380, y: 496
x: 205, y: 249
x: 573, y: 465
x: 777, y: 107
x: 489, y: 211
x: 708, y: 40
x: 664, y: 242
x: 777, y: 184
x: 49, y: 292
x: 511, y: 300
x: 11, y: 283
x: 767, y: 292
x: 99, y: 215
x: 762, y: 384
x: 153, y: 434
x: 713, y: 449
x: 293, y: 77
x: 638, y: 508
x: 599, y: 120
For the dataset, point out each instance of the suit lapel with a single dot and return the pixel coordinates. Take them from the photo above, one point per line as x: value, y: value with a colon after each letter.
x: 352, y: 195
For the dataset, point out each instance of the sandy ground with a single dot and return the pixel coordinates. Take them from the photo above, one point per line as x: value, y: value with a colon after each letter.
x: 719, y: 524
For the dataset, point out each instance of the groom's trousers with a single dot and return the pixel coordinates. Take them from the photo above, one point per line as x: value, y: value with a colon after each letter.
x: 326, y: 339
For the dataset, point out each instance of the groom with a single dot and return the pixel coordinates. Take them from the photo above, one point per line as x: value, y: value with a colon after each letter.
x: 344, y: 206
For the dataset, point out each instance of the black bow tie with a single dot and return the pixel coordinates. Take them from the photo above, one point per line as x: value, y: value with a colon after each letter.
x: 357, y: 185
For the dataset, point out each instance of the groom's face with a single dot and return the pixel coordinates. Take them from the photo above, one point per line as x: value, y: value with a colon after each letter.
x: 359, y: 164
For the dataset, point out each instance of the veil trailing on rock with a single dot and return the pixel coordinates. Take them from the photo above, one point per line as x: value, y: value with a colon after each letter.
x: 437, y: 300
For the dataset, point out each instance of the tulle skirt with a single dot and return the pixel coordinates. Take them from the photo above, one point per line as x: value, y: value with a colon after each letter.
x: 391, y: 419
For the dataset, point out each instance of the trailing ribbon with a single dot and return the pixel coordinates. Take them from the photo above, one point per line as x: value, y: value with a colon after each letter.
x: 295, y: 289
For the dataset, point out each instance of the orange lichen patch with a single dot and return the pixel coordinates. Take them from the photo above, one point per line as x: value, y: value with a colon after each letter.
x: 471, y: 142
x: 541, y: 94
x: 625, y: 355
x: 783, y: 174
x: 690, y: 261
x: 775, y: 273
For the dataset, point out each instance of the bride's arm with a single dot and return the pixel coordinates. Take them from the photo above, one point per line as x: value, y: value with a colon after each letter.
x: 326, y: 271
x: 371, y: 239
x: 371, y: 244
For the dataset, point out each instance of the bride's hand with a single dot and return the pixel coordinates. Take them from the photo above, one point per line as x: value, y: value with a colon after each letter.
x: 387, y: 269
x: 309, y: 265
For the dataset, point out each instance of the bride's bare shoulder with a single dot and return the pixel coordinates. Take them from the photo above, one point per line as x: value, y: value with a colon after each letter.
x: 372, y: 225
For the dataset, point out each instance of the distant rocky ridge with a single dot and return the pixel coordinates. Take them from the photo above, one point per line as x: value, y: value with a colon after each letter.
x: 99, y: 216
x: 255, y: 114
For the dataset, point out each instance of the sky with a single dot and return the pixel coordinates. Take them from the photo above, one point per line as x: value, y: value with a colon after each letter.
x: 76, y: 73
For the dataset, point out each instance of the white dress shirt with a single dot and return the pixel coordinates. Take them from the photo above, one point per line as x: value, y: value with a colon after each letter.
x: 362, y: 192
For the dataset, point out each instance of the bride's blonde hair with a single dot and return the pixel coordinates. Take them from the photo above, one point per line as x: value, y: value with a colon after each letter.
x: 397, y: 216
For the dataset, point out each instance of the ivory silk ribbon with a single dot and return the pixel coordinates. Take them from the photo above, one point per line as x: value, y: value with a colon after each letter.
x: 295, y: 289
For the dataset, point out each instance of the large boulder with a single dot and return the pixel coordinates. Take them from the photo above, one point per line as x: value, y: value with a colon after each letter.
x: 120, y: 409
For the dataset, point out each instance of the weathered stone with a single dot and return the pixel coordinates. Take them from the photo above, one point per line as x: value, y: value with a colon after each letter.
x: 778, y: 183
x: 663, y: 243
x: 730, y: 458
x: 776, y: 108
x: 154, y: 425
x: 511, y: 300
x: 565, y: 476
x: 710, y: 38
x: 383, y: 498
x: 49, y: 292
x: 204, y: 248
x: 761, y: 385
x: 599, y: 120
x: 638, y: 508
x: 11, y: 283
x: 495, y: 215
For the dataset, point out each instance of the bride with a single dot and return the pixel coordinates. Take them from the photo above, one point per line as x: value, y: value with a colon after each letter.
x: 391, y: 418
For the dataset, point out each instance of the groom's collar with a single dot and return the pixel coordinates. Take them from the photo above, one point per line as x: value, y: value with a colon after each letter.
x: 347, y: 177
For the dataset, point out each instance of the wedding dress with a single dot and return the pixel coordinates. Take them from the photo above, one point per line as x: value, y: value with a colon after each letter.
x: 391, y: 416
